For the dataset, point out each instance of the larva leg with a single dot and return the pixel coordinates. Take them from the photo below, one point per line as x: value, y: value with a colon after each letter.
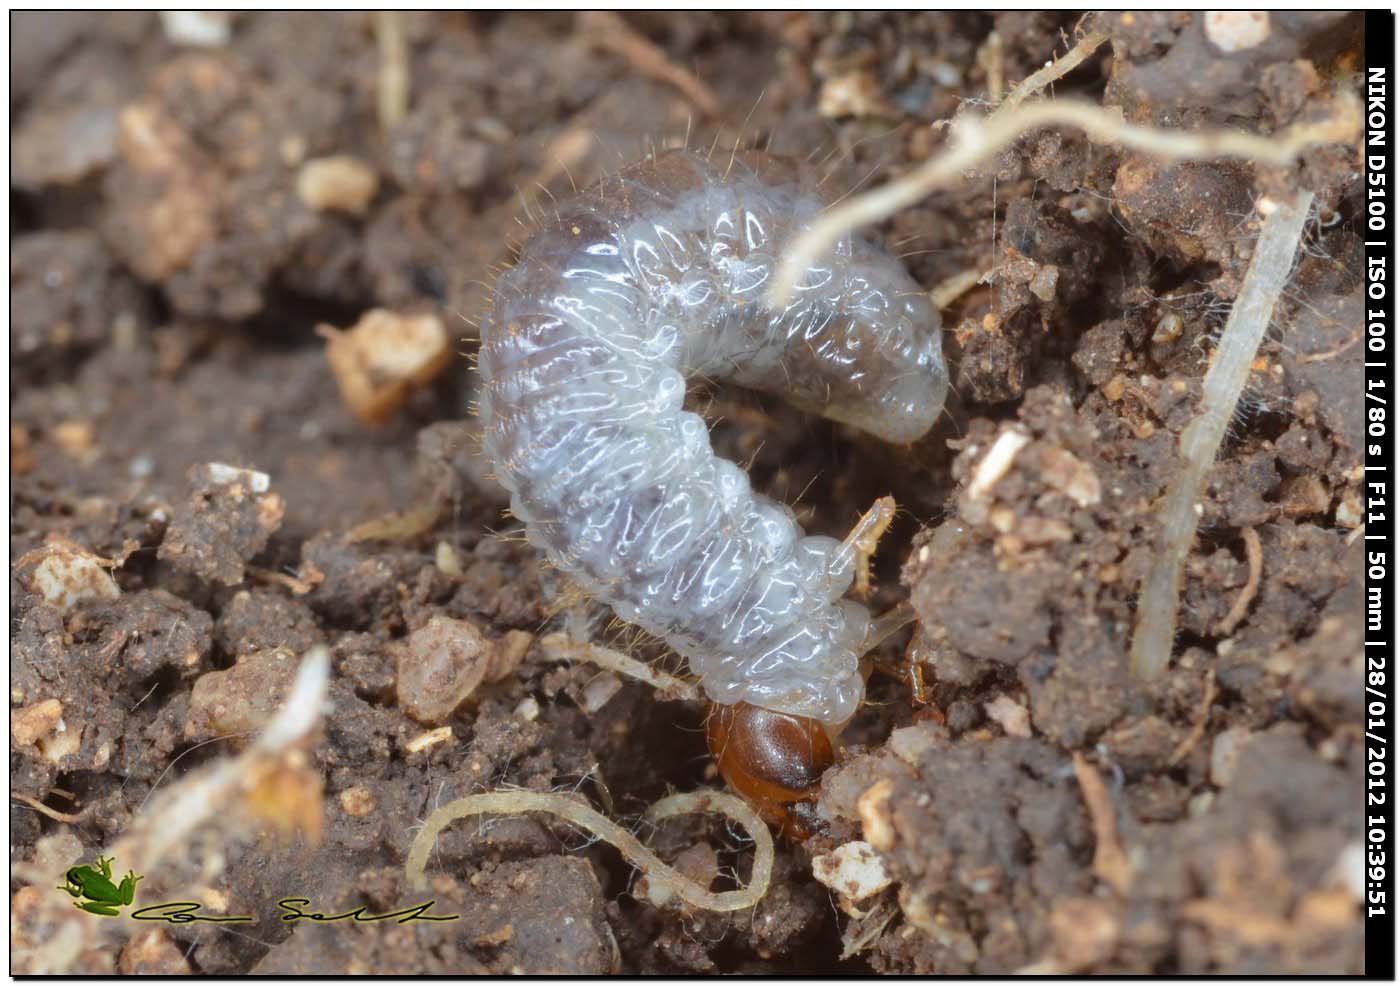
x: 886, y: 625
x: 914, y: 662
x: 863, y: 539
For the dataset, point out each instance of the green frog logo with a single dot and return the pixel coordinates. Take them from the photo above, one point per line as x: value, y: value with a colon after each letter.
x: 95, y: 891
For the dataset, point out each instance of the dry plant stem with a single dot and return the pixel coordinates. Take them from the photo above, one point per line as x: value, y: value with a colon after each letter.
x: 1198, y: 729
x: 950, y: 290
x: 185, y: 807
x: 1254, y: 308
x: 1254, y: 552
x: 657, y: 872
x: 1111, y: 864
x: 559, y: 647
x: 607, y: 30
x: 398, y: 526
x: 1057, y: 69
x: 44, y: 809
x: 974, y: 140
x: 392, y: 91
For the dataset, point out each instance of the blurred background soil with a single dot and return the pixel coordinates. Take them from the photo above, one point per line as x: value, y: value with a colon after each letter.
x: 191, y: 200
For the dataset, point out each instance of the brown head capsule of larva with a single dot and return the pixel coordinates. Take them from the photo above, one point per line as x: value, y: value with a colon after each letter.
x: 774, y: 760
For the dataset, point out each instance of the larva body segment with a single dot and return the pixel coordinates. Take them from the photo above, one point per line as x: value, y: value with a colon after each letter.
x: 650, y: 277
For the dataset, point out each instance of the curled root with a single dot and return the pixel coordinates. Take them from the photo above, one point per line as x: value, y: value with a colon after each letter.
x: 657, y: 872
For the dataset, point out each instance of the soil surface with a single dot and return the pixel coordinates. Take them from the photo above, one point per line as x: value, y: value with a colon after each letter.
x: 189, y: 495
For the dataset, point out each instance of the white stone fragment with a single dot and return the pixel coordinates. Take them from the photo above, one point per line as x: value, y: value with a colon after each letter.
x: 221, y: 474
x: 854, y: 870
x: 67, y: 575
x: 1350, y: 870
x: 1236, y: 30
x: 996, y: 462
x: 202, y: 28
x: 598, y: 692
x: 1010, y: 715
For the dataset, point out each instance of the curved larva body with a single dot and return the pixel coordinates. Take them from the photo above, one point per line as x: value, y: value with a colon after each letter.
x: 653, y: 276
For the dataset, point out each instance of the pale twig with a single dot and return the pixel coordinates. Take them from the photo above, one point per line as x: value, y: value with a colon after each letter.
x: 1198, y: 729
x: 1111, y: 864
x: 1052, y: 71
x: 391, y: 92
x: 1254, y: 552
x: 43, y: 809
x: 606, y: 29
x: 952, y: 288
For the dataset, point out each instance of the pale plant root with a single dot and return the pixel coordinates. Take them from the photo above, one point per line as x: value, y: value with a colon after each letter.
x: 973, y: 140
x: 1250, y: 317
x: 658, y: 873
x: 561, y: 647
x: 391, y: 88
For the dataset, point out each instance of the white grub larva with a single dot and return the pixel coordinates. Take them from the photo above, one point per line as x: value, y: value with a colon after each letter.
x: 657, y: 274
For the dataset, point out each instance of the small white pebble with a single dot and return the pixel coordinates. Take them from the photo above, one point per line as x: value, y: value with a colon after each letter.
x: 383, y: 356
x: 1236, y: 30
x: 258, y: 482
x: 431, y: 738
x: 946, y: 74
x: 598, y: 692
x: 874, y: 811
x: 910, y: 744
x: 1010, y: 715
x: 447, y: 560
x: 1350, y: 870
x: 341, y: 183
x: 854, y: 870
x: 440, y: 666
x: 68, y: 574
x: 1225, y: 755
x: 1349, y: 510
x: 202, y: 28
x: 528, y: 709
x: 997, y: 462
x: 141, y: 467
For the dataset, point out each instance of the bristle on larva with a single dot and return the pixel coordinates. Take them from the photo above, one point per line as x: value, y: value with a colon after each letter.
x: 656, y: 275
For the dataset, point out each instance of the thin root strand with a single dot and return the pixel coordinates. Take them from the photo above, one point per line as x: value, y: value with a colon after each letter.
x: 560, y: 647
x: 658, y: 872
x: 973, y: 140
x: 1268, y: 272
